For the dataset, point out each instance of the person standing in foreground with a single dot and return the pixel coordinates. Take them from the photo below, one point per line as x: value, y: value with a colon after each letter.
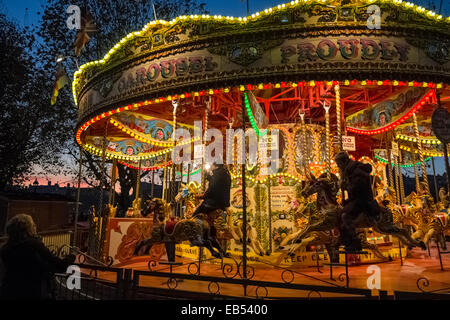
x: 355, y: 179
x: 29, y: 266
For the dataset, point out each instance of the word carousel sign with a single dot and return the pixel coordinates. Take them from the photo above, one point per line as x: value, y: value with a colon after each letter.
x: 298, y: 42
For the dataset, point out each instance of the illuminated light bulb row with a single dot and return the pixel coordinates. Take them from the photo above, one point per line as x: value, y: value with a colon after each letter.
x: 226, y: 90
x: 376, y: 238
x: 146, y: 169
x: 403, y: 165
x: 414, y: 109
x: 261, y: 86
x: 132, y: 35
x: 413, y: 139
x: 426, y: 153
x: 109, y: 155
x: 139, y: 137
x: 280, y: 174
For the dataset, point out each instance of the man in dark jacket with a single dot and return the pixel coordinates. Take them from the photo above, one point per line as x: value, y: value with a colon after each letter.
x: 217, y: 196
x: 355, y: 179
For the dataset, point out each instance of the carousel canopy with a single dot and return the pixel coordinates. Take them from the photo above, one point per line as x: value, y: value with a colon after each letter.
x: 291, y: 57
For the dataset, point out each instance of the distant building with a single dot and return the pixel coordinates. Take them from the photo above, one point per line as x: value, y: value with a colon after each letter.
x: 53, y: 206
x: 49, y: 211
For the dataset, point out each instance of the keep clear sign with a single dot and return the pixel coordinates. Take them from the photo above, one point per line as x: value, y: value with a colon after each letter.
x: 348, y: 143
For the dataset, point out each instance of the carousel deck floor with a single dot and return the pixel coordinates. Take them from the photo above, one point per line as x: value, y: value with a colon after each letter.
x: 394, y: 277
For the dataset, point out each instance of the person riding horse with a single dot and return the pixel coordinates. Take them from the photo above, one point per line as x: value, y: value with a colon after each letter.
x: 217, y: 196
x: 355, y: 179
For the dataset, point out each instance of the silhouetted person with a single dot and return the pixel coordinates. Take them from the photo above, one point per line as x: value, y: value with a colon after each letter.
x: 29, y: 266
x: 355, y: 179
x: 217, y: 196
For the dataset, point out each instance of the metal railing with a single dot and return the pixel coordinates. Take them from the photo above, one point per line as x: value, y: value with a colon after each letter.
x: 91, y: 286
x: 56, y: 239
x: 102, y: 282
x: 106, y: 283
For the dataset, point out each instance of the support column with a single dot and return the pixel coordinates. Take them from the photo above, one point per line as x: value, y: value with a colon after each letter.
x: 447, y: 168
x: 153, y: 184
x: 304, y: 151
x: 138, y: 180
x: 445, y: 145
x: 397, y: 180
x: 419, y: 149
x: 244, y: 203
x: 389, y: 155
x: 102, y: 217
x: 77, y: 206
x: 402, y: 187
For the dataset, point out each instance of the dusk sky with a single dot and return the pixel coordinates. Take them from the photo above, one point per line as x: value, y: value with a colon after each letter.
x: 18, y: 9
x: 25, y: 13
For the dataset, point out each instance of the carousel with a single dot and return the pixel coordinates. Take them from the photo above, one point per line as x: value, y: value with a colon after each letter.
x: 309, y: 79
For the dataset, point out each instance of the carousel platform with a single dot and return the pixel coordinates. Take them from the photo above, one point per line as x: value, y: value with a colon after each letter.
x: 420, y: 273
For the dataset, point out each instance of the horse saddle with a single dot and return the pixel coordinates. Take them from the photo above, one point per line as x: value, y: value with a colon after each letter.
x: 170, y: 226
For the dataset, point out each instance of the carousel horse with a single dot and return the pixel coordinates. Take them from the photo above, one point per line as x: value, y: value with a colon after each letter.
x: 385, y: 198
x: 421, y: 215
x: 328, y: 217
x: 188, y: 193
x: 444, y: 200
x: 296, y: 208
x: 325, y: 238
x: 219, y: 225
x: 173, y: 231
x: 237, y: 233
x: 135, y: 210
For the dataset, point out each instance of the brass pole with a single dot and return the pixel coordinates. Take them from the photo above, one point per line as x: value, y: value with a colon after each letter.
x: 402, y: 187
x: 138, y: 181
x: 338, y: 115
x: 327, y: 138
x: 416, y: 174
x: 153, y: 184
x: 305, y: 151
x: 389, y: 155
x: 164, y: 182
x: 397, y: 180
x: 173, y: 178
x: 419, y: 149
